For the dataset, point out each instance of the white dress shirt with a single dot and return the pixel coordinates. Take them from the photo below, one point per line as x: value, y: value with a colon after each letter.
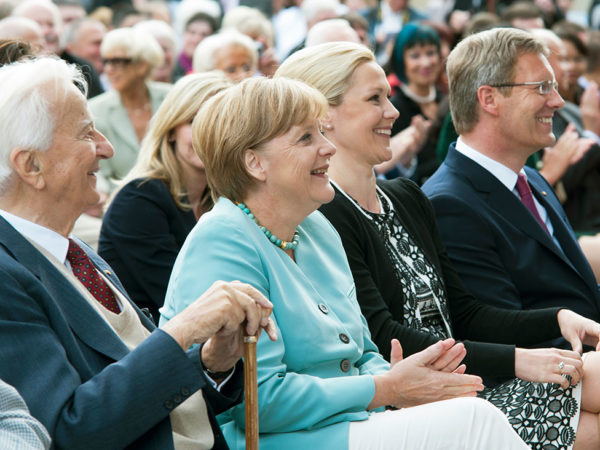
x: 506, y: 176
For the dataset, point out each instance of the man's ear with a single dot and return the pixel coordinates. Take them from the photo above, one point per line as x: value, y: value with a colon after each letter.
x: 27, y: 166
x: 487, y: 97
x: 255, y: 165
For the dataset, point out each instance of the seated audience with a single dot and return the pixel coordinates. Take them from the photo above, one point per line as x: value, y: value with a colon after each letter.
x: 266, y: 162
x: 229, y: 51
x: 500, y: 221
x: 416, y: 61
x: 83, y: 38
x: 199, y: 26
x: 47, y: 15
x: 575, y: 64
x: 162, y: 197
x: 523, y: 14
x: 405, y: 285
x: 122, y: 114
x: 331, y: 30
x: 18, y: 430
x: 89, y: 364
x: 25, y: 29
x: 166, y: 38
x: 252, y: 23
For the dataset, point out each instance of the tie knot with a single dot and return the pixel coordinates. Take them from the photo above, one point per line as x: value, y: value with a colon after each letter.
x: 522, y: 186
x: 75, y: 254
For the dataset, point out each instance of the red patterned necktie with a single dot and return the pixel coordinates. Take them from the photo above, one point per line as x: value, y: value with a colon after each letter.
x: 527, y: 198
x: 85, y: 271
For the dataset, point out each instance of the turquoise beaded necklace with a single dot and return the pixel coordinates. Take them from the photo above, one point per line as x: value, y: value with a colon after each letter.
x: 284, y: 245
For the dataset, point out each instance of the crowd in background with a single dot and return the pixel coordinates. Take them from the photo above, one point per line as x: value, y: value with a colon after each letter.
x: 150, y: 65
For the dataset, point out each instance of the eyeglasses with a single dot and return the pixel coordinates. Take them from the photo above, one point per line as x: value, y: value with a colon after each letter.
x: 545, y: 87
x: 117, y: 62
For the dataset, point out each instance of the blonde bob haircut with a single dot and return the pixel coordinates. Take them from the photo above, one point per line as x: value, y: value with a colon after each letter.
x: 137, y: 44
x: 327, y: 67
x: 485, y: 58
x: 157, y: 158
x: 246, y: 116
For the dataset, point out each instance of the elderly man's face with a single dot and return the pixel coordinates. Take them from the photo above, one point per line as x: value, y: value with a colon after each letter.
x: 69, y: 167
x: 47, y: 22
x: 88, y: 42
x: 525, y: 116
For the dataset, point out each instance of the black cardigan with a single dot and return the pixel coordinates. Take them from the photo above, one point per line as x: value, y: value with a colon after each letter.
x: 142, y: 233
x: 492, y: 333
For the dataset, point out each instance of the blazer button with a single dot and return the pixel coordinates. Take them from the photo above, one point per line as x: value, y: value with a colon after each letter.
x: 177, y: 398
x: 323, y: 307
x: 344, y: 338
x: 169, y: 405
x: 345, y: 365
x: 185, y: 391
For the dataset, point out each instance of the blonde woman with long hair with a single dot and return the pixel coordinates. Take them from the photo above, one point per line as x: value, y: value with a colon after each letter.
x: 162, y: 197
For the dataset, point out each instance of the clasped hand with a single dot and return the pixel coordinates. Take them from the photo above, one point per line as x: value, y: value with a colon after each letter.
x: 434, y: 374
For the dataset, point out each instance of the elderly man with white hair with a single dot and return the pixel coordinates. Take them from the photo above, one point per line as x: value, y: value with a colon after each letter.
x: 22, y: 28
x: 90, y: 365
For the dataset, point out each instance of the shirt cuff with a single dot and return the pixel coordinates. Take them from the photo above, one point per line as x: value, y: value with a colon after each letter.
x: 592, y: 135
x: 222, y: 383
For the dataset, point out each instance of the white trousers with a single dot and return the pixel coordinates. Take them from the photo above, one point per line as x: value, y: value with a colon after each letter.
x: 462, y: 423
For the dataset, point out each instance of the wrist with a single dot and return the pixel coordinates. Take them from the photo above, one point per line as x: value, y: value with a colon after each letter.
x: 218, y: 376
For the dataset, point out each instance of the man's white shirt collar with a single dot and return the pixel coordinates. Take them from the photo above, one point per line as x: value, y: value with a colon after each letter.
x: 505, y: 175
x: 49, y: 240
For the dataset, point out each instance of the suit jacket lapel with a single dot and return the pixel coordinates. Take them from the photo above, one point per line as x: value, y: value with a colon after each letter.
x: 82, y: 317
x: 122, y: 124
x: 563, y: 233
x: 504, y: 202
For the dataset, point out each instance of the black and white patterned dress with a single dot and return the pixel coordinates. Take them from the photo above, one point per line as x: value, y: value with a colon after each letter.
x: 544, y: 415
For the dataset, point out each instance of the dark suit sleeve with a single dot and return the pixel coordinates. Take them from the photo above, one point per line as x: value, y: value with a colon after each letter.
x: 138, y: 241
x: 107, y: 404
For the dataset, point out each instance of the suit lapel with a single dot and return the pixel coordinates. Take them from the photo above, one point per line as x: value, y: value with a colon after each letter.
x: 120, y: 117
x: 504, y: 202
x: 81, y: 316
x: 562, y: 231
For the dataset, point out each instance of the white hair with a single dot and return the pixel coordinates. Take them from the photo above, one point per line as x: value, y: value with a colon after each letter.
x: 331, y: 30
x: 159, y: 29
x: 23, y: 8
x: 139, y: 46
x: 28, y: 111
x: 312, y: 8
x: 249, y: 21
x: 18, y: 27
x: 204, y: 55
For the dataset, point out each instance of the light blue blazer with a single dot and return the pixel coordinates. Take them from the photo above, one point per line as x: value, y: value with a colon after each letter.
x: 306, y: 398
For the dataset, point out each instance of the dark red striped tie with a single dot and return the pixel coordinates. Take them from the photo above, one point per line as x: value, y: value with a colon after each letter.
x: 85, y: 271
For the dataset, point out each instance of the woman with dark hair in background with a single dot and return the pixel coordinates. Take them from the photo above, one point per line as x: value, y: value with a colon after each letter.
x: 416, y: 61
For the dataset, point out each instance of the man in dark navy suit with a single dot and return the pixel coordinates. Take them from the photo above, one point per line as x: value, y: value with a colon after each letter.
x: 504, y: 229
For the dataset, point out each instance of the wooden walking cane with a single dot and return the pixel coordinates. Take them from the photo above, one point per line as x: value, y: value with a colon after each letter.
x: 251, y: 392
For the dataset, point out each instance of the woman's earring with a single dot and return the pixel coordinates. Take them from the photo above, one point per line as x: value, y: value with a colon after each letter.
x: 328, y: 126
